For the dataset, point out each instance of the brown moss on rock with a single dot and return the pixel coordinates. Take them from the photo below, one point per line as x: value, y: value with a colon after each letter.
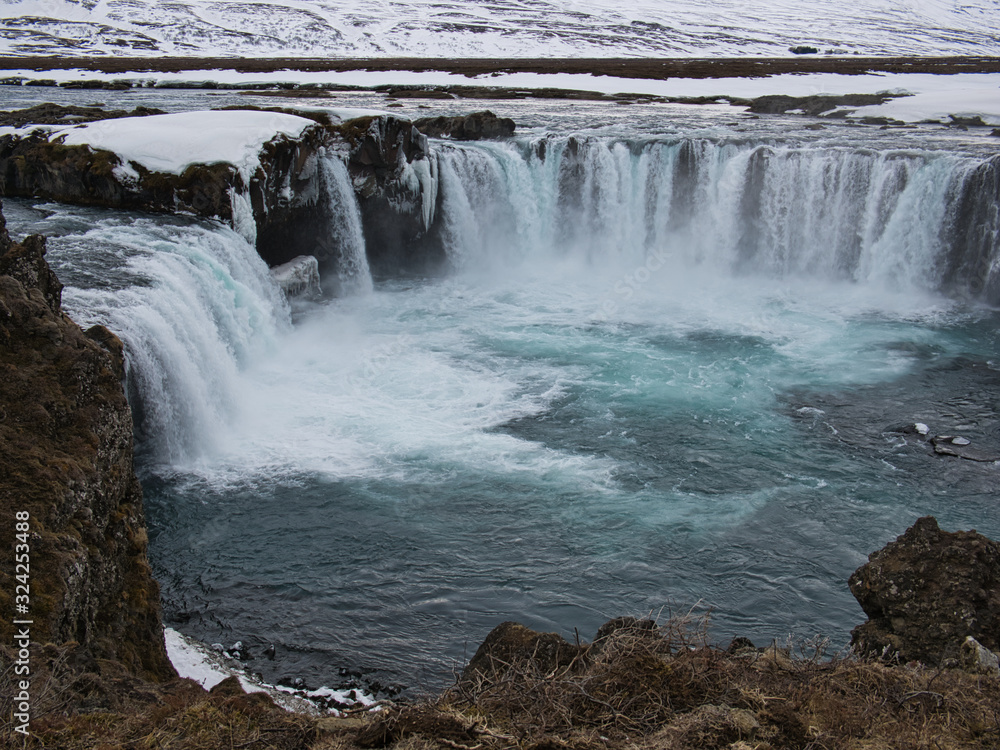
x: 34, y: 166
x: 79, y: 702
x: 926, y: 592
x: 510, y: 643
x: 66, y: 460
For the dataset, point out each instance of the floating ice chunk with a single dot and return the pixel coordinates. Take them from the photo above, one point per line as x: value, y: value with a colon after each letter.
x: 921, y: 428
x: 960, y: 441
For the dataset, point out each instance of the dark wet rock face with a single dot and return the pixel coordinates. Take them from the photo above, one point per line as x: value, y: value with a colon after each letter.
x: 286, y: 206
x: 926, y: 592
x: 287, y: 200
x: 34, y: 167
x: 383, y: 150
x: 66, y: 461
x: 473, y: 127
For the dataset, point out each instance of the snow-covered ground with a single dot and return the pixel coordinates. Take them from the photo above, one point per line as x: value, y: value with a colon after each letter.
x: 930, y: 97
x: 500, y: 28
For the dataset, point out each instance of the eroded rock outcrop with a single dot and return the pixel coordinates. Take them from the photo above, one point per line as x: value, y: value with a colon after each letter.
x: 285, y: 205
x: 815, y: 105
x: 472, y: 127
x: 66, y: 454
x: 34, y: 166
x: 393, y: 180
x: 926, y: 592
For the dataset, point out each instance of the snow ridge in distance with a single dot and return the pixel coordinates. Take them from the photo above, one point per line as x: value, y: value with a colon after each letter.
x: 500, y: 28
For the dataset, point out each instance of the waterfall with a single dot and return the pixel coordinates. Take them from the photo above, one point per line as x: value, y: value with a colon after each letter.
x: 902, y: 219
x: 193, y: 303
x: 346, y: 232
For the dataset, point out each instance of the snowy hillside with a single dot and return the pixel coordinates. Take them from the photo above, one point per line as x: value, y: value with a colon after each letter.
x: 500, y: 28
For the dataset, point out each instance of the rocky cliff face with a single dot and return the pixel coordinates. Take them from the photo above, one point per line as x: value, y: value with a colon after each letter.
x: 472, y: 127
x: 66, y: 455
x: 383, y: 155
x: 285, y: 208
x: 32, y: 166
x: 926, y: 592
x: 387, y: 158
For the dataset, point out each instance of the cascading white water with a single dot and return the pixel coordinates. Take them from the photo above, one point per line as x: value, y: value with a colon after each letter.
x: 627, y: 440
x: 346, y: 230
x: 193, y: 303
x: 874, y: 217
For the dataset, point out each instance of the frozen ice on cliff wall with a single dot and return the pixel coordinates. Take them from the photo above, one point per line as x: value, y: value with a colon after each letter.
x: 298, y: 277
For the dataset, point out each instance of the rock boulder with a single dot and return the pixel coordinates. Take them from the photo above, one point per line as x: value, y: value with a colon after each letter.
x: 512, y: 644
x: 926, y: 592
x: 472, y: 127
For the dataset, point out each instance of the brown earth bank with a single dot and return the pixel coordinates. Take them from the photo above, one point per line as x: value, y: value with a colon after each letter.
x: 98, y: 677
x: 653, y: 68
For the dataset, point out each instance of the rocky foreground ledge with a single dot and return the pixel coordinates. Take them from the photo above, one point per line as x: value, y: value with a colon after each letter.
x: 924, y: 672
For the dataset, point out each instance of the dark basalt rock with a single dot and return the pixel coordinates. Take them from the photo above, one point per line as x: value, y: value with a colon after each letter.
x: 814, y: 106
x: 966, y: 122
x: 58, y: 114
x: 285, y: 196
x: 291, y: 210
x: 34, y: 167
x: 950, y: 445
x: 926, y: 592
x: 66, y: 461
x: 473, y: 127
x: 396, y: 236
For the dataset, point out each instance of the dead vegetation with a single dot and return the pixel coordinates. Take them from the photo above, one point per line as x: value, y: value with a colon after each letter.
x: 638, y: 686
x: 663, y: 688
x: 81, y: 703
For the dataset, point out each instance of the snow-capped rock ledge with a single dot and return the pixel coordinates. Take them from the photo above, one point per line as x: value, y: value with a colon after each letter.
x: 173, y: 142
x: 259, y: 171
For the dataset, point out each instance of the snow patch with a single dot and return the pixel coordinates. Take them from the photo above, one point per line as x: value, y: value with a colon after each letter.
x: 172, y: 143
x: 198, y: 662
x: 125, y: 174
